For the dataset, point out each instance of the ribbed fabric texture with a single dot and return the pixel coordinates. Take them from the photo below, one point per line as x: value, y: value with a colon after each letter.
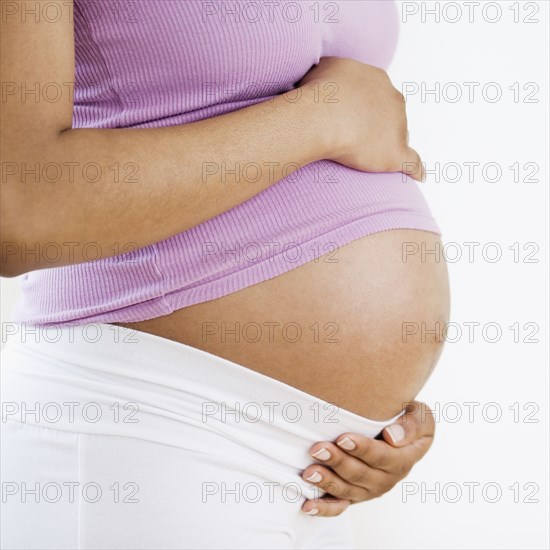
x: 157, y: 63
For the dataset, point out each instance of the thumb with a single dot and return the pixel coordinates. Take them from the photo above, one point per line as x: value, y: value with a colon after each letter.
x: 417, y: 422
x: 411, y: 164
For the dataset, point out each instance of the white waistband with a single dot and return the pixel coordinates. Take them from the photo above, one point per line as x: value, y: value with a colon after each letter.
x: 103, y: 379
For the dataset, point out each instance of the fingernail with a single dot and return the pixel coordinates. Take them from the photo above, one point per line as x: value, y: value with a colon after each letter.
x: 397, y: 433
x: 321, y: 454
x: 313, y: 512
x: 347, y: 444
x: 315, y: 477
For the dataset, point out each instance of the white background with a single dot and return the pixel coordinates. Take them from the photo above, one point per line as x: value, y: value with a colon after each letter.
x: 477, y: 451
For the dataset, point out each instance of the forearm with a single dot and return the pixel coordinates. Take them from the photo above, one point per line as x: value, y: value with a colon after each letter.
x: 154, y: 183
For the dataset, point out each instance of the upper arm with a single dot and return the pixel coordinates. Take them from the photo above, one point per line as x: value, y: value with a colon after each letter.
x: 37, y: 76
x: 36, y: 69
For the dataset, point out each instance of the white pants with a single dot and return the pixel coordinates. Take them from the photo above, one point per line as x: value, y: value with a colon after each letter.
x: 113, y: 438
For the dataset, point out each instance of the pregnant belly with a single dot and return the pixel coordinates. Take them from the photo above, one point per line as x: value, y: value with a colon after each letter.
x: 361, y: 327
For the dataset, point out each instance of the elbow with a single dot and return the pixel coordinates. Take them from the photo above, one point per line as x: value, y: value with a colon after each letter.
x: 11, y: 264
x: 9, y: 269
x: 28, y: 217
x: 24, y: 249
x: 18, y: 258
x: 19, y: 230
x: 12, y: 248
x: 21, y: 256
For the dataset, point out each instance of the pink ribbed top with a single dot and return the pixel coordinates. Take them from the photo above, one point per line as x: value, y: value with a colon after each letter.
x: 158, y: 63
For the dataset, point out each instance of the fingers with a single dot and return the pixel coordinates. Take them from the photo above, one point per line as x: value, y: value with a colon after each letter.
x: 330, y: 482
x: 417, y: 424
x: 357, y: 468
x: 364, y: 484
x: 359, y: 465
x: 411, y: 164
x: 325, y: 506
x: 405, y: 442
x: 371, y: 452
x: 377, y: 455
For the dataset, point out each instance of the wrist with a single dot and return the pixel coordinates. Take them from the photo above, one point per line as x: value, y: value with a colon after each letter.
x: 319, y: 126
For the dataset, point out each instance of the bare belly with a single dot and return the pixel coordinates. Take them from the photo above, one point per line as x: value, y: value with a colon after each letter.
x: 360, y: 328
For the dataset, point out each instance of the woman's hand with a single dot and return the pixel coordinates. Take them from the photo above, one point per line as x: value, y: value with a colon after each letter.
x: 359, y: 468
x: 365, y: 115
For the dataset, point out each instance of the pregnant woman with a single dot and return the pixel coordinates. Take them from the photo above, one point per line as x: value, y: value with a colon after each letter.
x: 229, y: 284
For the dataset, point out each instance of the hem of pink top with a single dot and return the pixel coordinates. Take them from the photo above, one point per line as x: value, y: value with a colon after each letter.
x: 167, y: 303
